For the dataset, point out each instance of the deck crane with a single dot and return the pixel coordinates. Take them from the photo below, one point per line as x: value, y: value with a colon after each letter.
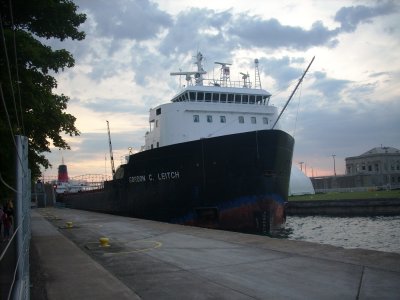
x: 111, y: 152
x: 294, y: 91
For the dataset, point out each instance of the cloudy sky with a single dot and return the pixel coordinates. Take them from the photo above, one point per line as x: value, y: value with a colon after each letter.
x: 348, y: 103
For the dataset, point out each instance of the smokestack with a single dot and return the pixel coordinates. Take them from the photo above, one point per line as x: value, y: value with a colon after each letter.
x: 62, y: 172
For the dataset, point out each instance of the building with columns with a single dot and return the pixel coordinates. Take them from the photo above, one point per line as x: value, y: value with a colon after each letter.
x: 377, y: 168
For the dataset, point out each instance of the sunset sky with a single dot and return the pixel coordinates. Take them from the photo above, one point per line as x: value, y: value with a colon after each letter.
x: 349, y: 101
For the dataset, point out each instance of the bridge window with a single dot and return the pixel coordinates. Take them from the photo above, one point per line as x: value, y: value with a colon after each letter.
x: 230, y: 98
x: 241, y: 119
x: 253, y: 120
x: 192, y: 96
x: 215, y: 97
x: 158, y: 111
x: 252, y: 98
x: 200, y: 96
x: 265, y: 120
x: 208, y: 97
x: 222, y: 119
x: 223, y: 98
x: 209, y: 119
x: 196, y: 118
x: 238, y: 98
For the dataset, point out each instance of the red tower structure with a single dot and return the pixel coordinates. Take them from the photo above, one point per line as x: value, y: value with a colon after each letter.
x: 62, y: 172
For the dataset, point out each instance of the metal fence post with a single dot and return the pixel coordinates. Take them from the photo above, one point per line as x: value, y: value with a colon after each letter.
x: 22, y: 219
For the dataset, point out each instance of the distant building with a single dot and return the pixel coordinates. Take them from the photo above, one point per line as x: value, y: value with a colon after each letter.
x: 376, y: 168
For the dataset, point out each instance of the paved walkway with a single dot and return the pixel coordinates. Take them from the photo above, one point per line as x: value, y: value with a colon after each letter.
x: 69, y: 272
x: 153, y: 260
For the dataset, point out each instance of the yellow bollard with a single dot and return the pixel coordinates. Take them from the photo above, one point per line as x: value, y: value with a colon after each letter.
x: 104, y: 242
x: 69, y: 224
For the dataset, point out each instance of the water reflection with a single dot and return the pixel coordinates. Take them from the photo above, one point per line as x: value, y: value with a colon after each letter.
x: 375, y: 233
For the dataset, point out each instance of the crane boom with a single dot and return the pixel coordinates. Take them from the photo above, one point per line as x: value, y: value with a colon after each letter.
x: 111, y: 152
x: 294, y: 91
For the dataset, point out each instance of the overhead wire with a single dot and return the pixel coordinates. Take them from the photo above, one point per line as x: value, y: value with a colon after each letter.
x: 9, y: 124
x: 298, y: 108
x: 16, y: 68
x: 9, y: 71
x: 19, y: 131
x: 20, y: 125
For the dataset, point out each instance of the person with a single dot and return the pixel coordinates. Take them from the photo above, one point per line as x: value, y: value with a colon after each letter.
x: 9, y: 210
x: 1, y: 220
x: 7, y: 225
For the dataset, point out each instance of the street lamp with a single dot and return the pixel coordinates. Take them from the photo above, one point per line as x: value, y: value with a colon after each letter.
x: 334, y: 164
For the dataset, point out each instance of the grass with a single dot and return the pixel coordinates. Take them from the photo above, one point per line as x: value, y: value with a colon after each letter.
x: 349, y: 196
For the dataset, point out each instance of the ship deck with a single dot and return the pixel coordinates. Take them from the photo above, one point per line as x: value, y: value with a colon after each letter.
x: 153, y: 260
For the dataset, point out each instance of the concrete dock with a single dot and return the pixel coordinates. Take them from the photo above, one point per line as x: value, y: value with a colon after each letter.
x: 153, y: 260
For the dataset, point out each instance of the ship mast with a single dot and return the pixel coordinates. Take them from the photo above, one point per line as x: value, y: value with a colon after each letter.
x: 111, y: 152
x: 225, y: 75
x: 257, y: 80
x: 198, y: 75
x: 294, y: 91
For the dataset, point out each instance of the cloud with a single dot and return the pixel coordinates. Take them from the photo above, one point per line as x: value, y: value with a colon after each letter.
x: 196, y: 29
x: 282, y: 70
x: 330, y: 88
x: 350, y: 17
x: 112, y: 105
x: 345, y: 131
x: 126, y: 19
x: 272, y: 34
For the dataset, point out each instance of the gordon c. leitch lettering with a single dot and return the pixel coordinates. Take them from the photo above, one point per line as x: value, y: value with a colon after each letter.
x: 171, y: 175
x: 168, y: 175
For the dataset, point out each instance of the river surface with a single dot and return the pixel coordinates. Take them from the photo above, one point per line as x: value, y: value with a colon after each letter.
x: 374, y: 233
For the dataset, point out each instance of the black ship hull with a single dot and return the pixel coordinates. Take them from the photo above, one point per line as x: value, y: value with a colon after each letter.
x: 235, y: 182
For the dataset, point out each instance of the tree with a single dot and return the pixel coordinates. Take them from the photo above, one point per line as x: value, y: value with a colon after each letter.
x: 28, y: 103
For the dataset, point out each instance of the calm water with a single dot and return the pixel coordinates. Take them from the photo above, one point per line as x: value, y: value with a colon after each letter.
x: 375, y: 233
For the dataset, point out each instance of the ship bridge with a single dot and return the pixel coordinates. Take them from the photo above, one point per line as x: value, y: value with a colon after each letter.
x: 207, y: 108
x: 218, y: 94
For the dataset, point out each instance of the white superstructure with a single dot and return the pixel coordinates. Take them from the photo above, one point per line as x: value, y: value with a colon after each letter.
x: 210, y: 108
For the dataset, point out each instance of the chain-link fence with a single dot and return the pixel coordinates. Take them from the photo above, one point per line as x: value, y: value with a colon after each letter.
x: 14, y: 257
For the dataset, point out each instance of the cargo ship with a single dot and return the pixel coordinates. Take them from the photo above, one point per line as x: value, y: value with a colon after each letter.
x: 214, y: 156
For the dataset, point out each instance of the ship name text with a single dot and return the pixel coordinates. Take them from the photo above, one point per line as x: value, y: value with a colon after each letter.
x: 171, y: 175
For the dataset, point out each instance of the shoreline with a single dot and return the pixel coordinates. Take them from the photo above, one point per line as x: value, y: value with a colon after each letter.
x: 345, y: 207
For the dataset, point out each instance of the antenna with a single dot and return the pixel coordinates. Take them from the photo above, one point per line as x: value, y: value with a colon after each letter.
x: 198, y: 75
x: 257, y: 81
x: 246, y: 81
x: 225, y: 72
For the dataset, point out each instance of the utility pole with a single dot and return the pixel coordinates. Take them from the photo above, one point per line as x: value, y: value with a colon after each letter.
x: 334, y: 164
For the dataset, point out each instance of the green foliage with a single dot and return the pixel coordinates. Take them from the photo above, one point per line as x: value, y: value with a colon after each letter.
x: 27, y: 100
